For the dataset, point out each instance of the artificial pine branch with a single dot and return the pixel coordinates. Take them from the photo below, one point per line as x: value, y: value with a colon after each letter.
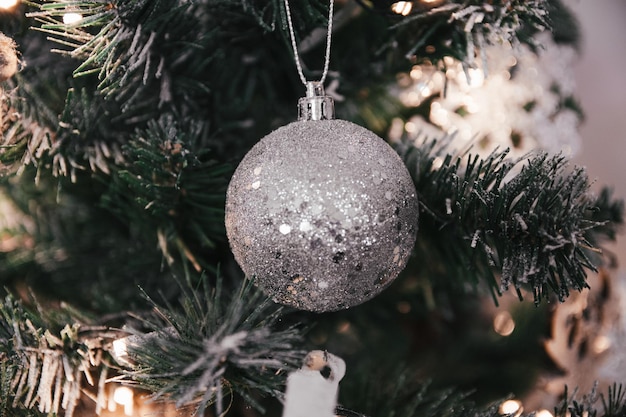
x: 213, y: 346
x: 124, y: 52
x: 60, y: 243
x: 461, y: 28
x: 46, y: 367
x: 23, y: 143
x: 526, y: 221
x: 166, y: 186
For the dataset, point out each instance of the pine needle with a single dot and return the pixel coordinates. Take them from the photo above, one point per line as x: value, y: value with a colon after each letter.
x: 215, y: 342
x: 525, y: 222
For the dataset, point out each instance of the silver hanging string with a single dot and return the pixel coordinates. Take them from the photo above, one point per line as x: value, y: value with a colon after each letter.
x: 295, y: 46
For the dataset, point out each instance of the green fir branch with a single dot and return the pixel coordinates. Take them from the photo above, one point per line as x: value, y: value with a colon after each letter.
x: 216, y: 344
x: 307, y: 14
x: 32, y: 99
x: 527, y: 222
x: 64, y: 245
x: 88, y: 138
x: 167, y: 187
x: 139, y: 50
x: 461, y: 28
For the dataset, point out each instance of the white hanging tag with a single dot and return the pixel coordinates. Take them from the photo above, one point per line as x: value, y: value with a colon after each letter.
x: 312, y: 390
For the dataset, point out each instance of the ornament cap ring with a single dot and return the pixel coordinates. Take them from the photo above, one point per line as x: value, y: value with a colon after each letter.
x: 316, y: 105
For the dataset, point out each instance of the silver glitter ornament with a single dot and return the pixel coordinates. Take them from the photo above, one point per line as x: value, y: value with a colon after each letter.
x: 322, y: 213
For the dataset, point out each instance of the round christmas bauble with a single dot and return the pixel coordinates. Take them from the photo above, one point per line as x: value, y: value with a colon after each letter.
x: 322, y: 213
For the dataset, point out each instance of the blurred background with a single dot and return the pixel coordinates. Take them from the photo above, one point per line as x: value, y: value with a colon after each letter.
x: 602, y: 93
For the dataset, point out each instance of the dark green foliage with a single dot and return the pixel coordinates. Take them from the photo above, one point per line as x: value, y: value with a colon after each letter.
x: 216, y: 344
x: 460, y: 28
x: 529, y: 227
x: 613, y: 404
x: 608, y: 214
x: 564, y: 25
x: 67, y: 248
x: 424, y: 401
x: 404, y: 396
x: 174, y: 192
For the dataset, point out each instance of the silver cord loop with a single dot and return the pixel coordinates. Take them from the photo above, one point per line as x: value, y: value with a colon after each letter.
x: 295, y: 46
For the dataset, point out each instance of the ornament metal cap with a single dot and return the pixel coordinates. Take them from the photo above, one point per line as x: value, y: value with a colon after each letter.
x: 316, y: 105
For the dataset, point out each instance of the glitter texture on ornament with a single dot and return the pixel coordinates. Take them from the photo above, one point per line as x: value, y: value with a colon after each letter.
x: 322, y: 213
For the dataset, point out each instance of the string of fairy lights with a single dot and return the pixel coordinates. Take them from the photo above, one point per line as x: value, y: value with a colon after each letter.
x: 8, y: 4
x: 405, y: 8
x: 69, y: 17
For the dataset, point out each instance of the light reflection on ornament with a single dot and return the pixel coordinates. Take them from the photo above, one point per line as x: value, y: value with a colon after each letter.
x: 71, y: 18
x: 402, y: 7
x: 503, y: 324
x: 511, y: 408
x: 8, y: 4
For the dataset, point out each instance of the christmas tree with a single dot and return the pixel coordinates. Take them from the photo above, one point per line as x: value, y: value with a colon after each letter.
x: 459, y: 269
